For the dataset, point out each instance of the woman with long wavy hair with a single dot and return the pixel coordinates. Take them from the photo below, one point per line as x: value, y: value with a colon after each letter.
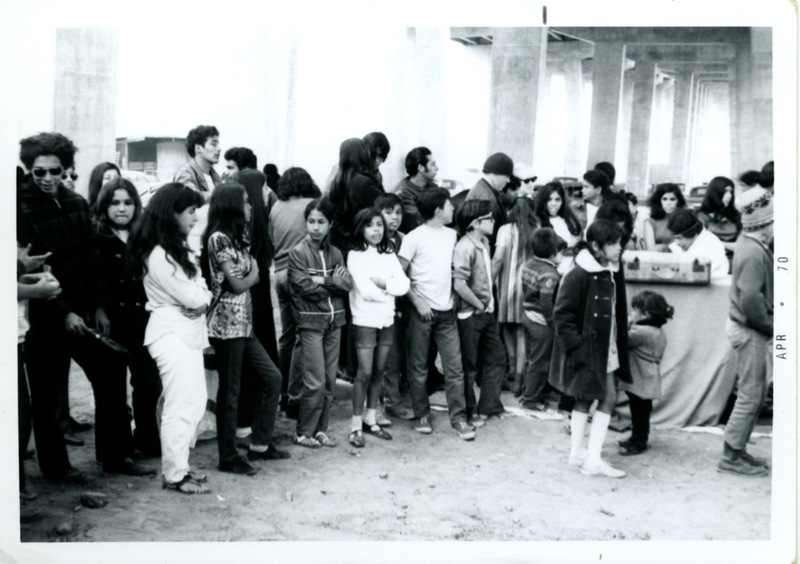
x: 176, y: 334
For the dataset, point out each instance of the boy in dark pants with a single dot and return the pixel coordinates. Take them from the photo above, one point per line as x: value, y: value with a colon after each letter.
x: 540, y: 281
x: 477, y: 327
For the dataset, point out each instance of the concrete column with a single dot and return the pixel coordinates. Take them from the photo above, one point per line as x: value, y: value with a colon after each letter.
x: 519, y: 58
x: 639, y: 152
x: 694, y: 126
x: 573, y: 81
x: 680, y: 126
x: 742, y: 156
x: 624, y: 137
x: 609, y: 64
x: 762, y: 102
x: 85, y: 95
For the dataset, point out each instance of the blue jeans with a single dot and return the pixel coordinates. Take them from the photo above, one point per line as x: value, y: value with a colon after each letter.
x: 480, y: 338
x: 751, y: 348
x: 445, y: 333
x: 320, y: 350
x: 232, y: 356
x: 539, y: 349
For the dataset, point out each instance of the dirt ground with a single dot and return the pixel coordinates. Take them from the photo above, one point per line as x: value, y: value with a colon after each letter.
x: 510, y: 484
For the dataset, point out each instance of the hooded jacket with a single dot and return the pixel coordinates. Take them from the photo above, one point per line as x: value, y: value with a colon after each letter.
x: 582, y: 319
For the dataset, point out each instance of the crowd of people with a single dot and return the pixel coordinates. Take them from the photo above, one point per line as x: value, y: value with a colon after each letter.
x: 513, y: 288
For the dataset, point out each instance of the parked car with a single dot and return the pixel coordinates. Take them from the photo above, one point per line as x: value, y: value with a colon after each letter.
x: 145, y: 184
x: 695, y: 196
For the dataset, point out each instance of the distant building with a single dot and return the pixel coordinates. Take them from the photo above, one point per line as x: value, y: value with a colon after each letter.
x: 158, y: 157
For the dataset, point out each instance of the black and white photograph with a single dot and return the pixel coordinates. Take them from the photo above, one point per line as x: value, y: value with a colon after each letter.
x: 400, y: 281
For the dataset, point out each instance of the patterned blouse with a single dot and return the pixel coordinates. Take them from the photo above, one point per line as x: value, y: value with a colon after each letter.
x: 231, y: 315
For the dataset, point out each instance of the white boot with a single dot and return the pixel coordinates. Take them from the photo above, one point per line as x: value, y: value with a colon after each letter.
x: 577, y: 427
x: 597, y: 435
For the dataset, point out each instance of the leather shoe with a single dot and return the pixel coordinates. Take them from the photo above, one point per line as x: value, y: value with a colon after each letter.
x: 129, y: 467
x: 238, y: 466
x: 271, y: 453
x: 71, y: 476
x: 72, y: 440
x: 78, y: 427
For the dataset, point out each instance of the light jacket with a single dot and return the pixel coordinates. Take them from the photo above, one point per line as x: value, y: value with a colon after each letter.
x: 192, y: 176
x: 647, y: 345
x: 316, y: 306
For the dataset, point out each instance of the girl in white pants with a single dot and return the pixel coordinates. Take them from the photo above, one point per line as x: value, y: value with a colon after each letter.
x: 177, y: 298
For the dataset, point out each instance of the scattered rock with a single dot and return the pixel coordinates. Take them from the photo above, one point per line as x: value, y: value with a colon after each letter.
x: 323, y: 492
x: 76, y: 508
x: 384, y: 476
x: 509, y: 508
x: 606, y: 512
x: 94, y: 500
x: 220, y: 498
x: 289, y: 496
x: 64, y: 528
x: 129, y: 485
x: 400, y: 515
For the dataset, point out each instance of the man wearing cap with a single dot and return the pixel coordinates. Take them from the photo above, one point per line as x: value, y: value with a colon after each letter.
x: 497, y: 172
x: 750, y: 329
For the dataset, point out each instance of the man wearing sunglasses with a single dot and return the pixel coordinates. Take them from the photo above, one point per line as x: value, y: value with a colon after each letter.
x: 56, y: 223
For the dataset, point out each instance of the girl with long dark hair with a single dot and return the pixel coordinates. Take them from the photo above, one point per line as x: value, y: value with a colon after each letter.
x: 666, y: 199
x: 122, y: 312
x: 177, y: 299
x: 718, y: 211
x: 231, y: 272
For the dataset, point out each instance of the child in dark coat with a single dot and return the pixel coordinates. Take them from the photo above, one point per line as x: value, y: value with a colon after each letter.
x: 646, y: 342
x: 591, y: 345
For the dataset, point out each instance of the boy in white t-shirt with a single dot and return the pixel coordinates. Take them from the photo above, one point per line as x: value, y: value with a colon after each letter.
x: 427, y: 254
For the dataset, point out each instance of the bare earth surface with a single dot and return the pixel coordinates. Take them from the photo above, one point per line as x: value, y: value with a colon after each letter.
x: 511, y: 483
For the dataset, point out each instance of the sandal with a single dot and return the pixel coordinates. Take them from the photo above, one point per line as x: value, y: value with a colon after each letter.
x: 376, y: 431
x: 197, y: 476
x: 357, y: 439
x: 187, y: 485
x: 325, y: 440
x: 302, y: 440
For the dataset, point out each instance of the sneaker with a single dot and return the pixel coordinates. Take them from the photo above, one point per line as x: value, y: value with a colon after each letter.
x: 602, y: 468
x: 543, y: 412
x: 400, y: 412
x: 476, y: 422
x: 423, y: 426
x: 740, y: 466
x: 382, y: 420
x: 464, y: 431
x: 238, y: 466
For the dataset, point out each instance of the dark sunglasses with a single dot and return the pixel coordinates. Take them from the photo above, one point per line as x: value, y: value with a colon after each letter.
x: 40, y: 172
x: 73, y: 176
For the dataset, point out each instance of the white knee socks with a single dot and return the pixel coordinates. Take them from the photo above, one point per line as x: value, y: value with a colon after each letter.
x: 597, y: 435
x: 577, y: 427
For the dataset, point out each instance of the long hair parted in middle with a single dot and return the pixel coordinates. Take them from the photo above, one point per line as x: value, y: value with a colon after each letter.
x: 362, y: 220
x: 523, y: 215
x: 102, y: 222
x: 543, y: 196
x: 159, y: 226
x: 260, y: 243
x: 226, y: 215
x: 353, y: 159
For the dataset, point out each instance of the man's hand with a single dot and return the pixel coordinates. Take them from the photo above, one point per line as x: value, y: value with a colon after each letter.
x: 424, y: 310
x: 340, y: 271
x: 101, y: 321
x: 74, y: 324
x: 31, y: 262
x: 40, y: 285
